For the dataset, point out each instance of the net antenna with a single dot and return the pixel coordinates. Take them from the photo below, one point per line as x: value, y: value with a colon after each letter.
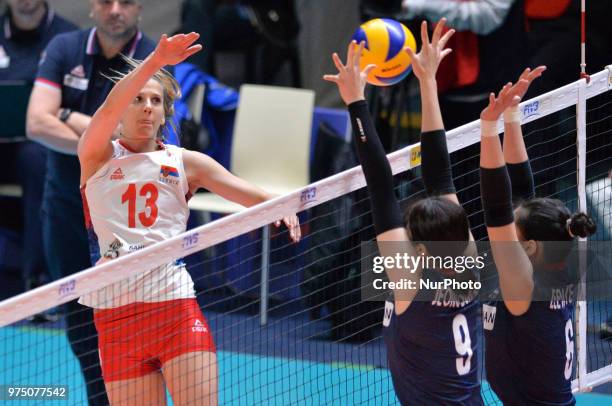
x: 583, y: 74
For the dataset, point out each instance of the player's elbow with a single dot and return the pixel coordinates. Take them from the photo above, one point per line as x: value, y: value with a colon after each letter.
x: 35, y: 126
x: 517, y: 307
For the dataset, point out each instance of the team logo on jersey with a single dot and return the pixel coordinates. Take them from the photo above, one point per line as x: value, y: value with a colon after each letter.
x: 389, y: 307
x: 198, y: 327
x: 169, y: 175
x: 488, y: 316
x: 113, y: 249
x: 78, y: 71
x: 117, y: 175
x: 166, y: 171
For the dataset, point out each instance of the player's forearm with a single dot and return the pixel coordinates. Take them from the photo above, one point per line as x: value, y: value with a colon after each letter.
x: 253, y: 195
x: 126, y: 89
x: 491, y: 155
x: 376, y: 169
x: 431, y: 117
x: 514, y: 269
x: 78, y: 122
x: 479, y: 16
x: 517, y: 160
x: 495, y: 187
x: 514, y: 145
x: 48, y: 130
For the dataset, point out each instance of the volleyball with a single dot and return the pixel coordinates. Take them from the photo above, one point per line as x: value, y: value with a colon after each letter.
x: 385, y: 40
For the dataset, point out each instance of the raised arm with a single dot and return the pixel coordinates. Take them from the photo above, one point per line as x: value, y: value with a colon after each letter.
x: 513, y: 265
x: 94, y: 146
x: 515, y: 153
x: 205, y: 172
x: 435, y: 161
x: 388, y: 223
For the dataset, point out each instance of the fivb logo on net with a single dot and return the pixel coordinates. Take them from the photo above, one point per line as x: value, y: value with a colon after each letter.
x: 531, y: 109
x: 67, y: 288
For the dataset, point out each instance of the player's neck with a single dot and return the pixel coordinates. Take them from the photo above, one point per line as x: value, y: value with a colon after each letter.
x: 139, y: 145
x: 30, y: 21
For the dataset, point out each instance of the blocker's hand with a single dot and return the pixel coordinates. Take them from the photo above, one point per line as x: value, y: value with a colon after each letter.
x: 425, y: 64
x: 507, y: 97
x: 350, y: 79
x: 526, y: 78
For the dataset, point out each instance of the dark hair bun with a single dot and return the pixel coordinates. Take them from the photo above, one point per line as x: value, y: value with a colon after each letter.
x: 582, y: 225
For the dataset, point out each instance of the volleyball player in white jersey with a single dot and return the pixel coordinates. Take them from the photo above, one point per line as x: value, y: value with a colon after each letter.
x: 135, y: 190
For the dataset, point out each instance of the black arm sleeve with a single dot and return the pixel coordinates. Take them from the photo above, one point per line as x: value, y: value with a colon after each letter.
x: 376, y: 168
x: 521, y: 178
x: 435, y: 163
x: 496, y: 196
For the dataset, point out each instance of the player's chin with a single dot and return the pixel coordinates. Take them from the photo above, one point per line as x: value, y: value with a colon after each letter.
x: 145, y: 132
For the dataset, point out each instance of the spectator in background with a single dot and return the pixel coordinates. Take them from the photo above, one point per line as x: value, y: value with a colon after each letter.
x: 264, y: 30
x: 69, y: 88
x: 27, y: 28
x: 553, y: 39
x: 598, y: 35
x: 487, y: 51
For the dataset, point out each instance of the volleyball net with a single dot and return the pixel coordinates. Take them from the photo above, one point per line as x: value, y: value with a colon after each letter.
x: 288, y: 320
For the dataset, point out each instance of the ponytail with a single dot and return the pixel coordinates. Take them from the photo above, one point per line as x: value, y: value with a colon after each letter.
x: 580, y: 225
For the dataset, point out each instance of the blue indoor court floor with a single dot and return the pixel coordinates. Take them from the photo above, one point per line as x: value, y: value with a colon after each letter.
x: 42, y: 356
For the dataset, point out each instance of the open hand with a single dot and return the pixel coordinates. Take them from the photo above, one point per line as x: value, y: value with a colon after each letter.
x: 175, y: 49
x: 351, y: 80
x: 507, y: 97
x: 293, y: 224
x: 526, y: 78
x: 425, y: 64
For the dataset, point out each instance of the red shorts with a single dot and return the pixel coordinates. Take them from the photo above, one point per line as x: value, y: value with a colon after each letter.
x: 137, y: 339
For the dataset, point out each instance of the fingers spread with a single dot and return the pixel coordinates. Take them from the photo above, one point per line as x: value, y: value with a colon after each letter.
x: 410, y: 52
x: 445, y: 38
x: 193, y: 49
x: 438, y: 31
x: 445, y: 52
x: 337, y: 62
x: 491, y: 99
x: 350, y: 51
x: 331, y: 78
x: 357, y: 55
x: 537, y: 72
x: 424, y: 34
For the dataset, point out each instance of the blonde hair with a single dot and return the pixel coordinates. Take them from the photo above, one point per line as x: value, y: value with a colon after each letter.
x: 171, y: 91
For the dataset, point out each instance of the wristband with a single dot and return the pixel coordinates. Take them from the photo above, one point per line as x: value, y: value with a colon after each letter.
x: 488, y: 128
x: 512, y: 115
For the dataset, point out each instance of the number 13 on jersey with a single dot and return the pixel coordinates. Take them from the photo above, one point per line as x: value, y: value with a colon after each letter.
x: 147, y: 216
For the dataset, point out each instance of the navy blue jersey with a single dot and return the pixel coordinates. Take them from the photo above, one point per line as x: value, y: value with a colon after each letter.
x: 530, y: 358
x: 432, y: 348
